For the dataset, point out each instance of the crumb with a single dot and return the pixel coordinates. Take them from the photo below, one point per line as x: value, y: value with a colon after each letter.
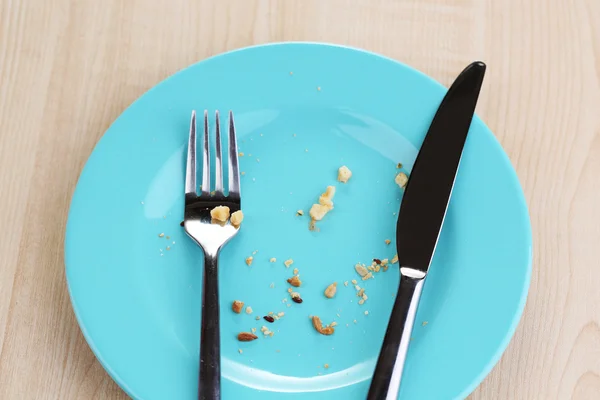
x: 424, y: 323
x: 272, y: 285
x: 330, y: 291
x: 168, y: 237
x: 243, y: 173
x: 241, y: 154
x: 401, y: 180
x: 253, y: 330
x: 237, y: 306
x: 300, y: 213
x: 249, y: 260
x: 368, y: 276
x: 161, y: 234
x: 296, y: 297
x: 248, y: 310
x: 346, y: 283
x: 395, y: 259
x: 295, y: 281
x: 295, y: 271
x: 168, y: 247
x: 291, y: 73
x: 237, y: 218
x: 388, y: 241
x: 344, y: 174
x: 399, y: 166
x: 354, y: 321
x: 319, y: 88
x: 318, y: 325
x: 326, y: 366
x: 287, y: 263
x: 366, y: 313
x: 361, y: 302
x: 240, y: 350
x: 273, y: 259
x: 361, y: 270
x: 354, y: 282
x: 254, y: 252
x: 318, y: 211
x: 290, y: 290
x: 333, y: 324
x: 257, y: 318
x: 220, y: 213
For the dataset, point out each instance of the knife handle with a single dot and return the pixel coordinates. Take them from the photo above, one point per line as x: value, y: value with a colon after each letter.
x: 388, y: 371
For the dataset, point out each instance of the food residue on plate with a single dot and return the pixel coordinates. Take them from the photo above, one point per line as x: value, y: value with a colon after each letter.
x: 237, y: 306
x: 344, y: 174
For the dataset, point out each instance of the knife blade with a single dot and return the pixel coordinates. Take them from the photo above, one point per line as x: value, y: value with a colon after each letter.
x: 420, y: 220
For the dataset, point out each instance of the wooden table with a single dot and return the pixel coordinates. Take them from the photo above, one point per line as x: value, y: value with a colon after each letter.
x: 68, y: 68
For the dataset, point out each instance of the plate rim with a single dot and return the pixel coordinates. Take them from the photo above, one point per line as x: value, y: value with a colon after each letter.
x: 477, y: 380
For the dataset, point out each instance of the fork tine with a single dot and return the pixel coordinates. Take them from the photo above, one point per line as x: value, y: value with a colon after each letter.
x: 218, y: 160
x: 206, y: 157
x: 190, y: 170
x: 234, y: 170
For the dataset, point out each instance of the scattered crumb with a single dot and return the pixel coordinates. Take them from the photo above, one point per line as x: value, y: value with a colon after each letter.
x: 318, y: 325
x: 168, y: 247
x: 424, y: 323
x: 326, y: 366
x: 395, y: 259
x: 287, y: 263
x: 280, y: 314
x: 237, y: 306
x: 361, y: 270
x: 292, y: 73
x: 300, y: 213
x: 318, y: 211
x: 366, y: 313
x: 319, y: 88
x: 388, y: 241
x: 272, y: 285
x: 295, y: 281
x: 237, y: 218
x: 248, y: 310
x: 354, y: 282
x: 161, y: 234
x: 249, y: 260
x: 257, y: 318
x: 220, y: 213
x: 346, y: 283
x: 295, y: 271
x: 361, y: 302
x: 273, y: 259
x: 243, y: 173
x: 354, y: 321
x: 333, y: 324
x: 254, y: 252
x: 241, y: 154
x: 368, y: 276
x: 399, y: 166
x: 401, y: 180
x: 344, y: 174
x: 330, y: 291
x: 253, y: 330
x: 240, y: 350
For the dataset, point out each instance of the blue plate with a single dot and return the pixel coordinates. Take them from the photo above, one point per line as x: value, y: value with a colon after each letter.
x: 302, y: 111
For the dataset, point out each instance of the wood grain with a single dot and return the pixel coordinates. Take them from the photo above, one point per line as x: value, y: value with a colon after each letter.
x: 69, y: 67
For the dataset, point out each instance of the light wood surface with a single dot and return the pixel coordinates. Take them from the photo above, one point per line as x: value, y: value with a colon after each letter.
x: 68, y: 68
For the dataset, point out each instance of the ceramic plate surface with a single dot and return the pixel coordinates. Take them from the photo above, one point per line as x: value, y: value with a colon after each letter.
x: 302, y: 111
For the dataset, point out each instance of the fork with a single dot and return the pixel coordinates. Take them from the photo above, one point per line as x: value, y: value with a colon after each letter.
x: 211, y: 237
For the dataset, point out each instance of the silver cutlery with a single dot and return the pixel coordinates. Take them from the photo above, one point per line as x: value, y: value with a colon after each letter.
x: 211, y: 236
x: 420, y: 221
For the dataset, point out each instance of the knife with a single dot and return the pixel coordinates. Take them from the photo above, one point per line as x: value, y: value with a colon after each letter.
x: 421, y: 218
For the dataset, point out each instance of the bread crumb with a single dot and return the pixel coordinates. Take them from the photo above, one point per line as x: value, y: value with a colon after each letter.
x: 399, y: 165
x: 395, y: 259
x: 257, y: 318
x: 161, y: 235
x: 318, y: 325
x: 424, y: 323
x: 326, y: 366
x: 368, y: 276
x: 366, y: 313
x: 237, y: 218
x: 241, y: 154
x: 344, y: 174
x: 295, y: 271
x: 401, y: 180
x: 249, y: 260
x: 330, y: 291
x: 346, y: 283
x: 317, y: 212
x: 248, y: 310
x: 220, y: 213
x: 287, y: 263
x: 273, y: 259
x: 354, y: 282
x: 237, y: 306
x: 388, y: 241
x: 333, y: 324
x: 361, y: 270
x: 240, y: 351
x: 295, y: 281
x: 272, y: 285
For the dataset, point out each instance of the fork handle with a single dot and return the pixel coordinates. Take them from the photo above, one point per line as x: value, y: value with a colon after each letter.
x: 209, y: 380
x: 388, y: 371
